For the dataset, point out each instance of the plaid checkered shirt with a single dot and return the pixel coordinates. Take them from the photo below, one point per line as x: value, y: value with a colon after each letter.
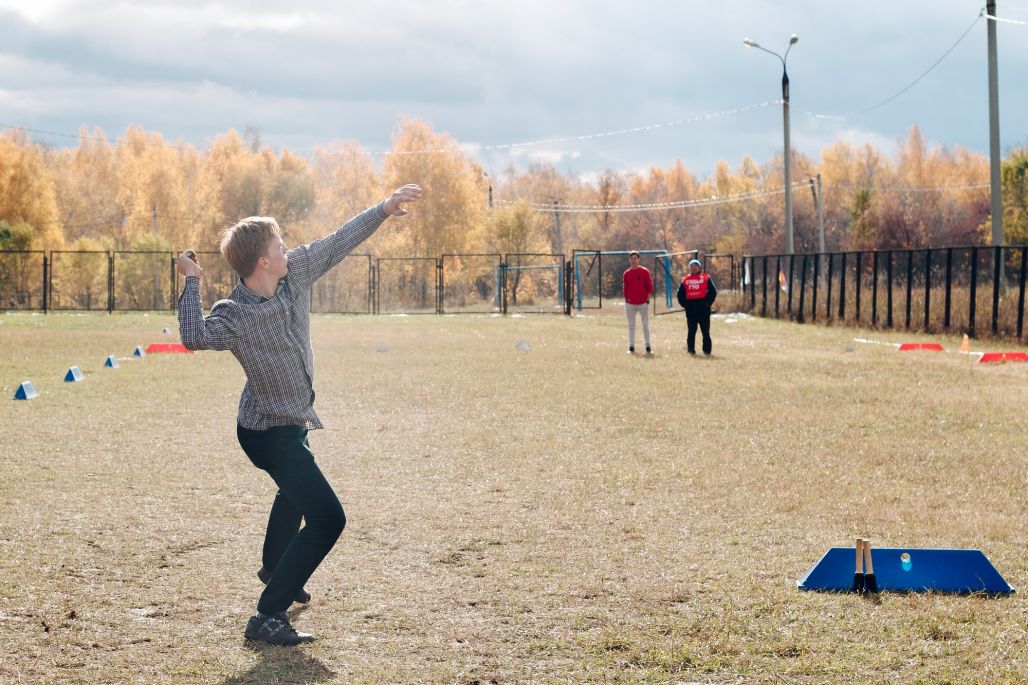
x: 271, y: 336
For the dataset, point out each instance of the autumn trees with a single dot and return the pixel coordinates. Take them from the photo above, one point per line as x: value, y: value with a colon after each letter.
x: 142, y: 192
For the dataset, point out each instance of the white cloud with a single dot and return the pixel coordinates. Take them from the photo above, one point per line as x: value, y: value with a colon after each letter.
x: 499, y: 72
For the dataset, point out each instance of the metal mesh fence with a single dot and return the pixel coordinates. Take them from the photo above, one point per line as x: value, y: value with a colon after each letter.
x: 406, y: 285
x: 534, y: 283
x: 471, y: 283
x: 22, y: 282
x: 345, y: 289
x: 144, y: 281
x: 80, y: 280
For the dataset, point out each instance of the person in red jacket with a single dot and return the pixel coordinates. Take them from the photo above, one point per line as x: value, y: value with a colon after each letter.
x: 696, y: 294
x: 638, y: 286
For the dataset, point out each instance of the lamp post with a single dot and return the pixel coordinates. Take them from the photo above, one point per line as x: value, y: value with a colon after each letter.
x: 785, y: 119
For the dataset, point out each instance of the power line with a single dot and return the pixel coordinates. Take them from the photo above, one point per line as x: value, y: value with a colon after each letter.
x: 655, y: 206
x: 589, y: 136
x: 908, y: 86
x: 467, y: 148
x: 719, y: 200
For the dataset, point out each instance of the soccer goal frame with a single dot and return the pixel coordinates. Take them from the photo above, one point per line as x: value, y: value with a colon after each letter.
x: 586, y: 262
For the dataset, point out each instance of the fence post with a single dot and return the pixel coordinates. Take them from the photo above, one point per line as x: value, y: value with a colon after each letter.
x: 45, y: 267
x: 803, y: 286
x: 910, y: 284
x: 753, y: 280
x: 997, y: 265
x: 373, y: 276
x: 763, y: 302
x: 858, y: 282
x: 568, y: 271
x: 503, y: 288
x: 949, y: 287
x: 813, y: 298
x: 110, y: 283
x: 888, y: 290
x: 173, y: 298
x: 792, y: 268
x: 778, y: 285
x: 439, y: 285
x: 1020, y: 296
x: 50, y: 281
x: 874, y: 288
x: 842, y: 287
x: 828, y: 290
x: 927, y: 288
x: 973, y: 304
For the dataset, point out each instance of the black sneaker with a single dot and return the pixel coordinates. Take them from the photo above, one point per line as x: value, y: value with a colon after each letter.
x: 648, y: 350
x: 274, y: 630
x: 302, y: 596
x: 631, y: 350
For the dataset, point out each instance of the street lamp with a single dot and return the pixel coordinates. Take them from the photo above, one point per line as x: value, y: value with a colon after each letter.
x: 785, y: 119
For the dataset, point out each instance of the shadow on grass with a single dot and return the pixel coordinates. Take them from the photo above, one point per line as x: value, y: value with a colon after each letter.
x: 282, y: 666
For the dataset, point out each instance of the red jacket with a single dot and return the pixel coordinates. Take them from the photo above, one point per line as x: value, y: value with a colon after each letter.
x: 637, y: 285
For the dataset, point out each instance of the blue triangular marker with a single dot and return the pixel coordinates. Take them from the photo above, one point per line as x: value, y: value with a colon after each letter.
x: 25, y: 391
x: 139, y: 351
x: 112, y: 362
x: 74, y: 375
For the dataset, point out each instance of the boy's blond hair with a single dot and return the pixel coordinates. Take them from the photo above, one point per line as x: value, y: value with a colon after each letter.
x: 246, y: 242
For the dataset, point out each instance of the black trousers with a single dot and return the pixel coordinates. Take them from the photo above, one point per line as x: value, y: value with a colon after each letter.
x: 292, y: 553
x: 698, y: 316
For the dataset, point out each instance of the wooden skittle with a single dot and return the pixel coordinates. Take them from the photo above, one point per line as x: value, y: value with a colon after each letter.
x: 858, y: 573
x: 870, y: 582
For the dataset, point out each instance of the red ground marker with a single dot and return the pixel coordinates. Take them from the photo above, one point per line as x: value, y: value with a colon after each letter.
x: 993, y: 357
x: 165, y: 347
x: 906, y: 347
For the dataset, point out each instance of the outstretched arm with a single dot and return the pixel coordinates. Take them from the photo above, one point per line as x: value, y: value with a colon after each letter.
x: 216, y: 332
x: 308, y: 263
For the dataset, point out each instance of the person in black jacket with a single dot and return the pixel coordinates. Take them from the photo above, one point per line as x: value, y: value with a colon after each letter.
x: 696, y: 294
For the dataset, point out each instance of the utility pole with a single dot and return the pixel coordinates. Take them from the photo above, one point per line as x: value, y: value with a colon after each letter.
x: 788, y: 162
x: 994, y: 152
x: 785, y: 125
x: 155, y: 220
x: 556, y: 228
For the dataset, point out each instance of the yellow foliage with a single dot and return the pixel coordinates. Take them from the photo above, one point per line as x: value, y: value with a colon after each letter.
x: 26, y: 190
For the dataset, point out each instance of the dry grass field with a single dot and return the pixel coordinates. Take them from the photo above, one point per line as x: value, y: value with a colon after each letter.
x: 562, y: 514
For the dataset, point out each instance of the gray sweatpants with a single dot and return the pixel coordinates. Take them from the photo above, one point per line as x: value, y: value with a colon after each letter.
x: 644, y: 312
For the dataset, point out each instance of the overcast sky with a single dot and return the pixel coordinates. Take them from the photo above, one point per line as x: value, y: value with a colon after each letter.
x: 496, y: 72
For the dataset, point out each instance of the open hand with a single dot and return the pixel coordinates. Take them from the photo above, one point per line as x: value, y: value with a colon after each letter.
x: 187, y: 264
x: 393, y: 206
